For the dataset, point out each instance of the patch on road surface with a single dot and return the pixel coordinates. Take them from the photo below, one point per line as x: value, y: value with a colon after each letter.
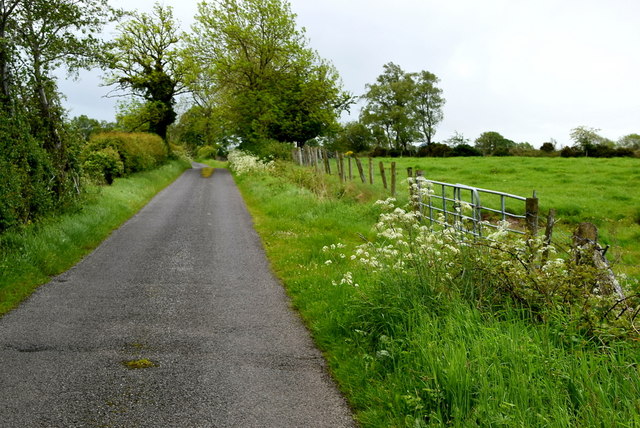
x: 142, y: 363
x: 206, y: 172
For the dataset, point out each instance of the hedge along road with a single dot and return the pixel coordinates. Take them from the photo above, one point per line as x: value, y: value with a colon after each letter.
x: 174, y: 321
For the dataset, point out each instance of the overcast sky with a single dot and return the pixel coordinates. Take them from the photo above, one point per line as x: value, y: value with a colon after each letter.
x: 529, y: 69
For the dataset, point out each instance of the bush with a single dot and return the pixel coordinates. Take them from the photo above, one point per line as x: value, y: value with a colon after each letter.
x: 272, y: 149
x: 465, y: 150
x: 571, y: 152
x: 379, y: 152
x: 178, y: 151
x: 547, y: 147
x: 246, y: 163
x: 435, y: 150
x: 138, y: 151
x: 26, y: 178
x: 104, y: 165
x: 623, y: 152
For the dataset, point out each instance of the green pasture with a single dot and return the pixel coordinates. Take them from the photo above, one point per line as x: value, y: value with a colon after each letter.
x: 605, y: 192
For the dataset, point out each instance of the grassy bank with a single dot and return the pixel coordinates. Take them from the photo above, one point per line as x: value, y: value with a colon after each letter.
x: 425, y: 351
x: 31, y: 256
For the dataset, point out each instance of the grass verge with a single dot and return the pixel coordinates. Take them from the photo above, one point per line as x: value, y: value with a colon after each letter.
x: 32, y: 255
x: 407, y: 353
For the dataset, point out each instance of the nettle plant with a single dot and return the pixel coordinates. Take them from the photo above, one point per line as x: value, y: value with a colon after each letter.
x: 244, y: 163
x: 500, y: 269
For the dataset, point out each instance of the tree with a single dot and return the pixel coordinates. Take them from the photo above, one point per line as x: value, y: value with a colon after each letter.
x: 492, y: 143
x: 251, y: 59
x: 589, y: 141
x: 631, y: 141
x: 428, y: 103
x: 389, y: 106
x: 353, y: 136
x: 403, y: 106
x: 7, y: 28
x: 145, y: 61
x: 201, y: 126
x: 456, y: 139
x: 51, y: 34
x: 87, y: 126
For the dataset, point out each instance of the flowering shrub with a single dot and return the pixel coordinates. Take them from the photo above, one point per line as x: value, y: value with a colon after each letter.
x: 244, y: 163
x: 493, y: 271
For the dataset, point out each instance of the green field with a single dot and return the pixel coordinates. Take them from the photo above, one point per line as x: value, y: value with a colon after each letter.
x: 605, y: 192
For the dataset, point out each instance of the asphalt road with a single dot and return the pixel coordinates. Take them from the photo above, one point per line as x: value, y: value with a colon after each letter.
x: 185, y: 286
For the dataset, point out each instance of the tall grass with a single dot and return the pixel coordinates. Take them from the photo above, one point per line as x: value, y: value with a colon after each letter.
x: 409, y: 352
x: 31, y: 256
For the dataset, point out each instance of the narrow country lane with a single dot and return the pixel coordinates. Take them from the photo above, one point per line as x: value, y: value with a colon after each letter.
x: 185, y: 288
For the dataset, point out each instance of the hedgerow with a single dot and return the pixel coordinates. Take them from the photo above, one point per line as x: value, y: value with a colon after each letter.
x: 135, y: 151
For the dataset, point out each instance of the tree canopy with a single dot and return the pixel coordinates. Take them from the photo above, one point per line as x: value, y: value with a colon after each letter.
x: 428, y: 103
x: 250, y: 63
x: 492, y: 143
x: 403, y: 107
x: 145, y: 61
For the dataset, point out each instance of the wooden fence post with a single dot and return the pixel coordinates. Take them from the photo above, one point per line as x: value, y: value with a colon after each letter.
x: 360, y: 169
x: 587, y: 251
x: 370, y: 171
x: 327, y: 165
x: 531, y: 208
x: 341, y: 166
x: 350, y: 170
x: 393, y: 178
x: 548, y: 234
x: 384, y: 177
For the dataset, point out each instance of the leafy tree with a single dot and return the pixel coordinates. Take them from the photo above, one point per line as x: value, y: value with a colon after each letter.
x: 201, y: 126
x: 7, y: 28
x: 50, y: 34
x: 631, y: 141
x: 492, y: 143
x: 456, y: 139
x: 353, y: 136
x: 87, y: 126
x: 403, y: 106
x: 521, y: 149
x: 145, y: 61
x: 267, y: 84
x: 590, y: 142
x: 389, y: 106
x: 428, y: 103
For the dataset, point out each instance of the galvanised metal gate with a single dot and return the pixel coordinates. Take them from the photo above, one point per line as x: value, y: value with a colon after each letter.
x: 474, y: 210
